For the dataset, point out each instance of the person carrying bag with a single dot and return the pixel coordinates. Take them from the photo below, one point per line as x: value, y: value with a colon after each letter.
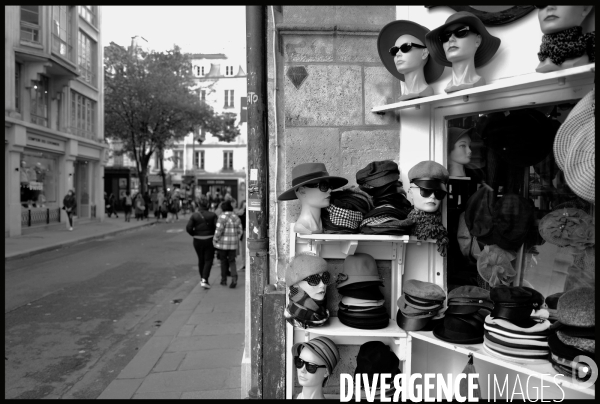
x: 201, y: 226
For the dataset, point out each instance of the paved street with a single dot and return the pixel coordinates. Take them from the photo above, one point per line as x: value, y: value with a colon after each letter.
x: 77, y: 316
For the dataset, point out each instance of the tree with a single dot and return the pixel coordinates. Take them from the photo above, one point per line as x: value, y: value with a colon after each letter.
x: 150, y: 103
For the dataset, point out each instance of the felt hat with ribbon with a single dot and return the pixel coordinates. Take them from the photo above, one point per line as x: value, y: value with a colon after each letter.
x: 307, y: 173
x: 387, y: 38
x: 486, y: 50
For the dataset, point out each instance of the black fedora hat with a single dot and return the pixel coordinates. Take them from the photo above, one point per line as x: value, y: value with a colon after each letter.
x: 457, y: 331
x: 486, y: 50
x: 306, y: 173
x: 387, y: 38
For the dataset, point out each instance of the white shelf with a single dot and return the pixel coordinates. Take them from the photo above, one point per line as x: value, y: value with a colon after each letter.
x: 544, y: 371
x: 525, y: 81
x: 363, y: 237
x: 335, y: 328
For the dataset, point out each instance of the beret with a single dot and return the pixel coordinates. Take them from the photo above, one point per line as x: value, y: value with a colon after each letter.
x: 428, y: 173
x: 323, y: 347
x: 359, y: 267
x: 375, y: 357
x: 424, y: 290
x: 468, y: 299
x: 304, y: 265
x: 378, y: 173
x: 577, y: 307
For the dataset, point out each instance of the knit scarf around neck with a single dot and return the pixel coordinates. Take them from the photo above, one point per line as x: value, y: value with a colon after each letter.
x: 568, y: 44
x: 429, y: 225
x: 303, y: 311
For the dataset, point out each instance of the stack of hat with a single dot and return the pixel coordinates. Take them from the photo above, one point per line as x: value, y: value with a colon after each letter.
x: 512, y: 332
x: 375, y: 357
x: 346, y: 211
x: 419, y: 304
x: 362, y: 302
x: 380, y: 180
x: 552, y: 305
x: 463, y: 321
x: 574, y: 333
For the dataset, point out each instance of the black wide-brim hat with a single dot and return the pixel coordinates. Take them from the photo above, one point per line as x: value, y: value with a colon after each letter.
x: 310, y: 172
x: 387, y: 38
x: 456, y: 331
x: 486, y: 50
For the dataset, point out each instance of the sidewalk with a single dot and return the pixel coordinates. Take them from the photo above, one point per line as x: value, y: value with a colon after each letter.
x: 58, y: 236
x: 195, y: 354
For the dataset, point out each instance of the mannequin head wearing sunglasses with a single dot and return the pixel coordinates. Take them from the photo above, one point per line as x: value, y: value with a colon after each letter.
x: 313, y: 197
x: 555, y: 20
x: 460, y: 43
x: 410, y: 56
x: 312, y: 383
x: 427, y: 188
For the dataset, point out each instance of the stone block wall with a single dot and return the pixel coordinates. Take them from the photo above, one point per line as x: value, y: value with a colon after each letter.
x: 327, y: 78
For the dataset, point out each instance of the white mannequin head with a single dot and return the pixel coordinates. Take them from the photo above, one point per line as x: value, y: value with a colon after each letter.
x: 414, y: 59
x: 461, y: 49
x: 307, y: 379
x: 426, y: 204
x: 461, y: 152
x: 314, y: 292
x: 555, y: 19
x: 313, y: 197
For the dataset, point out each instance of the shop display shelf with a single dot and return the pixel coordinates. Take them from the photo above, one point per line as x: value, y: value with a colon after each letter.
x: 544, y: 371
x: 526, y: 81
x: 335, y: 328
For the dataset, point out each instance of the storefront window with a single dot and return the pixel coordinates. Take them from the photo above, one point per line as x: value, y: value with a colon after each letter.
x: 39, y: 179
x: 504, y: 180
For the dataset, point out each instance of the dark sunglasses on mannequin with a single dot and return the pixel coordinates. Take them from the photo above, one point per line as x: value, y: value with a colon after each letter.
x: 315, y: 279
x: 310, y: 367
x: 426, y: 193
x: 405, y: 48
x: 322, y: 185
x: 460, y: 32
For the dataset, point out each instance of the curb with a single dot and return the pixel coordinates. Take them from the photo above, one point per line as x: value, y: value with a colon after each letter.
x: 41, y: 250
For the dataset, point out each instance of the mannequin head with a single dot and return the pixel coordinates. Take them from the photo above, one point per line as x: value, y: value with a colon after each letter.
x: 461, y: 153
x: 316, y: 292
x: 555, y: 19
x: 414, y: 59
x: 310, y: 195
x: 23, y: 164
x: 461, y: 49
x: 426, y: 204
x: 307, y: 379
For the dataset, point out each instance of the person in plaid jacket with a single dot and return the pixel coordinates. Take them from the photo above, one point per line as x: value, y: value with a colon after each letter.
x: 226, y: 240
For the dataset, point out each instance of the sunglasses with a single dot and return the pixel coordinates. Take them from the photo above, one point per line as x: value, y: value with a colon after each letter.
x: 310, y: 367
x: 315, y: 279
x: 322, y: 185
x: 405, y: 48
x: 459, y: 32
x: 426, y: 193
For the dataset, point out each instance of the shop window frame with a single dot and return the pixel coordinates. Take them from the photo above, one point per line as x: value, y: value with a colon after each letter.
x: 87, y: 51
x: 34, y: 30
x: 58, y: 41
x: 40, y: 97
x: 89, y: 14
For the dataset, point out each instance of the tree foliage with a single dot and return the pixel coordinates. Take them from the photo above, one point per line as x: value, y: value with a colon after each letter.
x: 150, y: 103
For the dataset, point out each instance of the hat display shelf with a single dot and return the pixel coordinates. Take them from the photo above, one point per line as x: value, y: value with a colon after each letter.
x: 339, y: 246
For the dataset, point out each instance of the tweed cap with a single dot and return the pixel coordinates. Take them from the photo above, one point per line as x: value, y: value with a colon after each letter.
x: 577, y: 307
x: 375, y: 357
x: 359, y: 267
x: 562, y: 350
x: 430, y: 175
x: 424, y: 290
x: 468, y: 299
x: 568, y: 227
x: 515, y: 303
x: 585, y: 344
x: 303, y: 265
x: 486, y: 50
x: 378, y: 173
x: 324, y: 348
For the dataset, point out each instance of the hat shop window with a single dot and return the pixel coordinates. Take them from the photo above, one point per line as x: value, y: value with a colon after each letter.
x: 519, y: 208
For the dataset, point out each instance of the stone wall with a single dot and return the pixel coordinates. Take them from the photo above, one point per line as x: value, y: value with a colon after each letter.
x: 328, y: 76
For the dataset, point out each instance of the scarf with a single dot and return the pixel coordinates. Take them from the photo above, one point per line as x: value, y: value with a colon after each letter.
x: 303, y: 311
x: 429, y: 225
x: 568, y: 44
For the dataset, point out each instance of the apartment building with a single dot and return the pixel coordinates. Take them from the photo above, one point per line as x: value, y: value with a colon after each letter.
x: 216, y: 166
x: 53, y: 125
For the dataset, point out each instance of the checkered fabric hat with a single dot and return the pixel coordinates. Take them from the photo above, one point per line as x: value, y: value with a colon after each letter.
x: 344, y: 217
x: 375, y: 220
x: 580, y: 115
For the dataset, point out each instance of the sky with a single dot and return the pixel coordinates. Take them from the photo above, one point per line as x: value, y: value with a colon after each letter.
x: 196, y: 29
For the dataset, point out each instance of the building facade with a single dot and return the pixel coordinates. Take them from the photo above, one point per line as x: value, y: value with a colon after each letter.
x: 214, y: 165
x: 53, y: 119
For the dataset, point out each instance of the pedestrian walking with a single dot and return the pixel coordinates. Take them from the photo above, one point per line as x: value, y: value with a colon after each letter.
x: 139, y: 206
x: 227, y: 236
x: 106, y: 204
x: 201, y: 227
x: 160, y: 208
x: 127, y: 203
x: 172, y: 209
x: 70, y: 206
x: 112, y: 205
x: 147, y: 204
x: 241, y: 213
